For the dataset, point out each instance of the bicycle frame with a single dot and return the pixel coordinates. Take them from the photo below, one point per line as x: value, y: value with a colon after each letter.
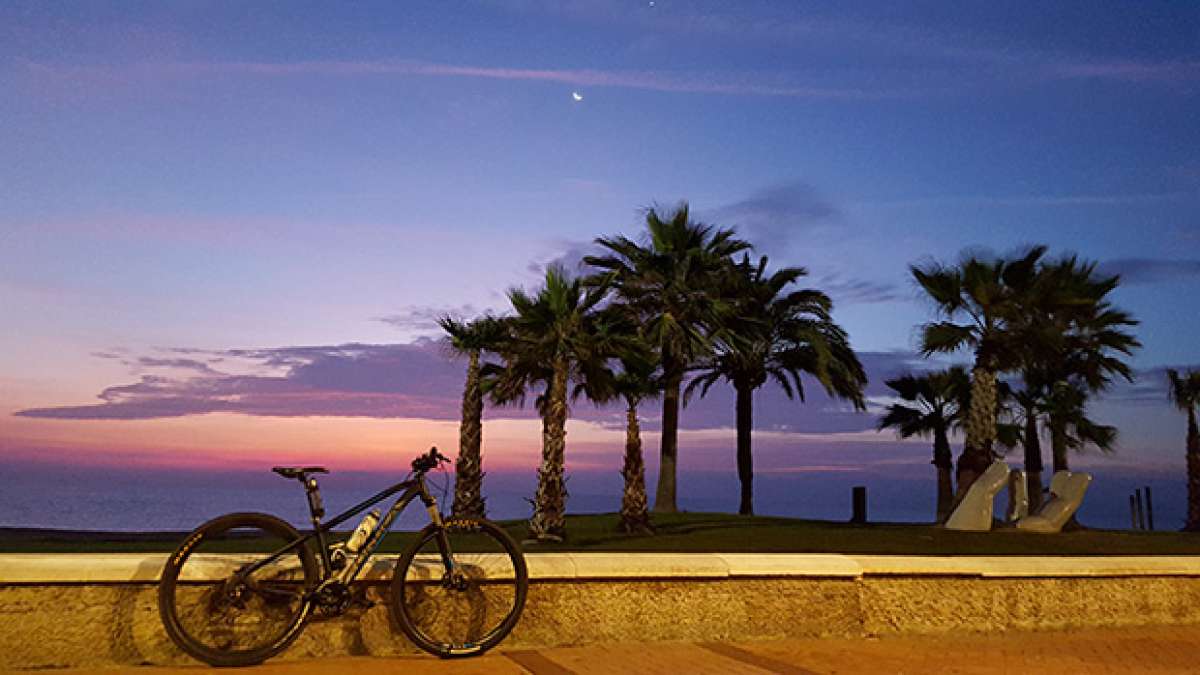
x: 413, y: 488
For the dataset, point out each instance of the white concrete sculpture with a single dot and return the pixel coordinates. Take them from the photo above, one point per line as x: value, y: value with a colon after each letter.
x: 1066, y: 494
x: 974, y: 512
x: 1018, y: 497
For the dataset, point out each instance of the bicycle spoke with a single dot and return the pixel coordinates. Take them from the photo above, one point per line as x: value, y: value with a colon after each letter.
x: 225, y: 609
x: 467, y: 607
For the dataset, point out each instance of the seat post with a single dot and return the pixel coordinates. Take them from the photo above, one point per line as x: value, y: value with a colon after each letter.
x: 315, y: 506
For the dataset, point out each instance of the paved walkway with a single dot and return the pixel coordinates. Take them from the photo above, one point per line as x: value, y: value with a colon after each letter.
x: 1172, y: 649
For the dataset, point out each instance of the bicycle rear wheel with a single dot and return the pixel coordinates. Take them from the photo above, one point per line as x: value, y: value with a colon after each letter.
x: 217, y: 610
x: 469, y: 608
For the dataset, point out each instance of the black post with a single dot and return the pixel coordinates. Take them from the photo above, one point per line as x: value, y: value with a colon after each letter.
x: 1141, y: 513
x: 859, y: 498
x: 1149, y: 509
x: 1132, y: 513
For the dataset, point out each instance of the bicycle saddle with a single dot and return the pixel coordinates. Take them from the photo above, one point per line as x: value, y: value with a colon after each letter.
x: 298, y: 471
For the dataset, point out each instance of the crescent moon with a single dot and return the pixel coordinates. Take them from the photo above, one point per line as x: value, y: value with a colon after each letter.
x: 577, y: 96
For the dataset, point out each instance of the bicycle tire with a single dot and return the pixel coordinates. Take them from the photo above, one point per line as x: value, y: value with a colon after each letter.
x: 467, y: 616
x: 201, y: 607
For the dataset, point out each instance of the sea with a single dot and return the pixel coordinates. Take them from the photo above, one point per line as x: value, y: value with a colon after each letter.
x: 113, y: 499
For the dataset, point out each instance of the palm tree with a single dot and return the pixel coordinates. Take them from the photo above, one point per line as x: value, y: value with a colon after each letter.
x: 1069, y: 426
x: 471, y: 338
x: 1030, y: 399
x: 1185, y: 394
x: 553, y: 338
x: 1075, y: 344
x: 941, y: 400
x: 667, y: 281
x: 988, y: 293
x: 636, y: 382
x: 1082, y: 334
x: 772, y: 334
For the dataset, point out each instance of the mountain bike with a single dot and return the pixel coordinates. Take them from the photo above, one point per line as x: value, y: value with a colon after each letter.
x: 242, y: 587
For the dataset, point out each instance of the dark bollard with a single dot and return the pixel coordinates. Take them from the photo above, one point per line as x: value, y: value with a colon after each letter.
x: 1141, y: 512
x: 1149, y: 509
x: 1132, y: 513
x: 859, y: 498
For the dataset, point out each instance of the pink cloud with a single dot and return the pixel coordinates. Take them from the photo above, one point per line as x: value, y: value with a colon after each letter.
x: 412, y: 380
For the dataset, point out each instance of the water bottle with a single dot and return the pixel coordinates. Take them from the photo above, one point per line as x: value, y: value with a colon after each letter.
x: 363, y: 531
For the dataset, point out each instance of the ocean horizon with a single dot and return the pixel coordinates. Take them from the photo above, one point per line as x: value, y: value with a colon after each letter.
x: 113, y: 499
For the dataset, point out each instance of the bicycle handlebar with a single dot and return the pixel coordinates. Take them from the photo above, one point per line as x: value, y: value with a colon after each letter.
x: 429, y: 461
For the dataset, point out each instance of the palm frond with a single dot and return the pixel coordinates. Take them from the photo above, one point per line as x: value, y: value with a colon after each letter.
x: 945, y: 337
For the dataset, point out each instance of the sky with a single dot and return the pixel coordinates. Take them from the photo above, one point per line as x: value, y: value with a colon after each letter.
x: 225, y: 228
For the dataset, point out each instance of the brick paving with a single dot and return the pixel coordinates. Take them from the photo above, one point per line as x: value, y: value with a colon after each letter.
x: 1143, y: 649
x: 1157, y: 649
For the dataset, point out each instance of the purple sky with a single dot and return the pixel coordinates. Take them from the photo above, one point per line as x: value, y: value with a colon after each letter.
x: 225, y: 227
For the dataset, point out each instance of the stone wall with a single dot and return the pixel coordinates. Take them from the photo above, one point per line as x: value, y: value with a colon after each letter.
x: 112, y: 619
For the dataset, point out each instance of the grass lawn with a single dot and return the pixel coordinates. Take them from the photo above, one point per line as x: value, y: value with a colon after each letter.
x: 711, y: 532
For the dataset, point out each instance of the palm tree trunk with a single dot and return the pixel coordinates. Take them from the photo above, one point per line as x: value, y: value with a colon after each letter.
x: 634, y: 516
x: 664, y: 496
x: 981, y: 429
x: 1033, y: 461
x: 1058, y: 444
x: 944, y: 461
x: 1058, y: 448
x: 1193, y: 468
x: 468, y: 469
x: 745, y: 461
x: 549, y: 505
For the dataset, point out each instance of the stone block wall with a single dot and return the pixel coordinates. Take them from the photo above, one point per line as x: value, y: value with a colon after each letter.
x: 52, y: 624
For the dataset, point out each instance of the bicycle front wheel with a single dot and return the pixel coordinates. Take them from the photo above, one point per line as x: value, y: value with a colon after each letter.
x: 467, y: 607
x: 221, y: 604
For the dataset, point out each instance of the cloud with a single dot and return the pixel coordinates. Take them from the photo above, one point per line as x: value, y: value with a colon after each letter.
x: 1079, y: 200
x: 733, y: 22
x: 112, y: 354
x: 1148, y: 387
x: 178, y: 364
x: 143, y: 363
x: 1170, y: 72
x: 734, y: 84
x: 779, y: 214
x: 423, y: 318
x: 569, y: 258
x: 1151, y: 270
x: 845, y: 291
x: 928, y: 51
x: 776, y: 215
x: 921, y: 60
x: 798, y: 213
x: 352, y: 380
x: 417, y: 380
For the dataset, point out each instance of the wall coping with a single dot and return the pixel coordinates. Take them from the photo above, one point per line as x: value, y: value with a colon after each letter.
x: 84, y: 568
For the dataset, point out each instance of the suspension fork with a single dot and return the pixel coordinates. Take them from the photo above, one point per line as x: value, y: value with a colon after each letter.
x: 435, y: 517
